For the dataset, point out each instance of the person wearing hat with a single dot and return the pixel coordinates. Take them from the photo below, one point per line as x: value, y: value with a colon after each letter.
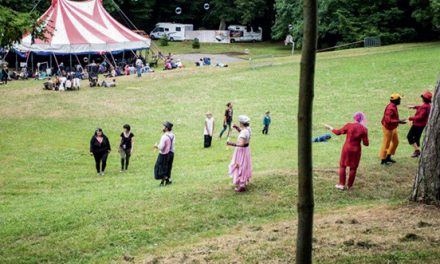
x: 419, y: 121
x: 164, y: 162
x: 390, y: 122
x: 357, y: 133
x: 99, y: 149
x: 209, y: 130
x: 240, y: 168
x: 126, y: 146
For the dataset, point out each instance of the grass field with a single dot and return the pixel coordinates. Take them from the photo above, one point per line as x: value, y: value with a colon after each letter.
x: 54, y: 209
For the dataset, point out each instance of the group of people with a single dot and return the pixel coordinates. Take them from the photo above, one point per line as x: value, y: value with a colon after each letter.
x: 357, y: 133
x: 240, y: 167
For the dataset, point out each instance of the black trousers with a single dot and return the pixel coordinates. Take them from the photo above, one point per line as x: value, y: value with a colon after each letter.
x: 414, y: 135
x: 208, y: 141
x: 100, y: 158
x: 265, y: 129
x: 125, y: 158
x: 163, y: 167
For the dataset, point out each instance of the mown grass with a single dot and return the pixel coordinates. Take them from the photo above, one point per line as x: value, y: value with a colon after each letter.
x: 238, y: 49
x: 53, y: 207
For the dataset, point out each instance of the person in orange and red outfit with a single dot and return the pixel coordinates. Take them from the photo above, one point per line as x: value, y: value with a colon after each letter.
x: 356, y: 132
x: 420, y: 119
x: 390, y: 122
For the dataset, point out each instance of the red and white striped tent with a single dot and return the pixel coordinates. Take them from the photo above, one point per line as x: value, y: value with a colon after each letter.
x: 81, y: 27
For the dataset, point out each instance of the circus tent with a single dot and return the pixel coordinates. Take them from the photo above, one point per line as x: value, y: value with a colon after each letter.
x: 81, y: 27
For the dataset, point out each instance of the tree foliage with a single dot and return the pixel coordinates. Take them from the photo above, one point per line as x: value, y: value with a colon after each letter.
x: 15, y: 24
x: 345, y: 21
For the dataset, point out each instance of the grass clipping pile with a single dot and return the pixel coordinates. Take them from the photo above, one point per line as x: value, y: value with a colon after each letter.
x: 350, y: 235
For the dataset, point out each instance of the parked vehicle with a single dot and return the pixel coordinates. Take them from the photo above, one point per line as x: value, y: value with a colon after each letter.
x: 238, y: 33
x: 174, y: 32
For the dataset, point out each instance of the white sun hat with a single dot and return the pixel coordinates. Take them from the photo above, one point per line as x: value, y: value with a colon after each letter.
x: 244, y: 119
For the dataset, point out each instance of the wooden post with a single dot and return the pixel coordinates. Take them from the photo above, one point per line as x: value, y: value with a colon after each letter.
x: 306, y: 203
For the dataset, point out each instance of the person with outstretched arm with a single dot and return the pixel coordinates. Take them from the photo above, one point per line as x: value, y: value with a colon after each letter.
x: 357, y: 133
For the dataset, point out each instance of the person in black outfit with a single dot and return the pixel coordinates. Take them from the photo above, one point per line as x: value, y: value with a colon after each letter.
x: 227, y: 121
x: 126, y: 146
x: 100, y: 148
x: 5, y: 75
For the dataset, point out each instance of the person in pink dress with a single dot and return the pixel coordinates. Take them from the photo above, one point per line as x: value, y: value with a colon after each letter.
x: 357, y: 133
x: 240, y: 168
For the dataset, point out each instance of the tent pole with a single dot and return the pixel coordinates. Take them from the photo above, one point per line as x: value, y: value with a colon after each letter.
x: 70, y: 61
x: 50, y: 61
x: 32, y: 62
x: 16, y: 60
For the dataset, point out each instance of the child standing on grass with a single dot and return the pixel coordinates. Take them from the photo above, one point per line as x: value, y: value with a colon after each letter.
x: 209, y: 129
x: 420, y: 119
x: 266, y: 122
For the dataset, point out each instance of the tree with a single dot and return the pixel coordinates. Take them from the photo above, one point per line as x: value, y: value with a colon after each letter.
x: 426, y: 186
x: 305, y: 109
x: 16, y: 24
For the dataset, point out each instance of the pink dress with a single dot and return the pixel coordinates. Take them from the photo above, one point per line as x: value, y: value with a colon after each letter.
x: 240, y: 168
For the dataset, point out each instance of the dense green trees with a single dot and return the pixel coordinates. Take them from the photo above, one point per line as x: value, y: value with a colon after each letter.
x: 340, y: 21
x: 343, y: 21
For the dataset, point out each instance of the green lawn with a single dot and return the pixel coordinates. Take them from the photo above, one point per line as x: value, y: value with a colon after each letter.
x: 54, y: 209
x: 237, y: 49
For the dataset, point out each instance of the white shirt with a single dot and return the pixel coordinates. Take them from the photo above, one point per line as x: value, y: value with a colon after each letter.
x: 166, y: 136
x: 209, y: 126
x: 245, y: 134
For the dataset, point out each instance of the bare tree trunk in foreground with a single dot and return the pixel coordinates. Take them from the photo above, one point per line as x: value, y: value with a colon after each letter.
x: 305, y: 108
x: 426, y: 187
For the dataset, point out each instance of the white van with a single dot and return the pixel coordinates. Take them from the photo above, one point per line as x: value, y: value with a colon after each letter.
x: 174, y: 32
x: 239, y: 33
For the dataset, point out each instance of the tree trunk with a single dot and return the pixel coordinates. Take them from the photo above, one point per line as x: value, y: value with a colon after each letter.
x: 222, y: 25
x: 426, y: 187
x: 305, y: 167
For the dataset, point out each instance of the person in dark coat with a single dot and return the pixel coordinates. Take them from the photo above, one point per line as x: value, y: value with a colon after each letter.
x: 100, y: 148
x: 126, y: 147
x: 164, y: 162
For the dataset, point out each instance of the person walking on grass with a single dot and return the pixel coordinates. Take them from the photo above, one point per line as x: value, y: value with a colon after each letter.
x: 100, y: 148
x: 208, y: 130
x: 266, y: 122
x: 164, y: 162
x: 419, y: 121
x: 390, y: 122
x: 357, y: 133
x: 240, y: 168
x: 126, y: 147
x: 227, y: 121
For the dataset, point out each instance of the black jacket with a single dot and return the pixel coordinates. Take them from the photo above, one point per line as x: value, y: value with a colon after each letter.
x: 96, y: 147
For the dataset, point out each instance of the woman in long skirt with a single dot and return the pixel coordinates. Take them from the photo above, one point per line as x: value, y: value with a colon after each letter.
x: 240, y: 168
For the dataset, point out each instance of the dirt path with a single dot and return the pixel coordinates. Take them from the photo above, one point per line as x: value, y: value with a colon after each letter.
x: 351, y: 235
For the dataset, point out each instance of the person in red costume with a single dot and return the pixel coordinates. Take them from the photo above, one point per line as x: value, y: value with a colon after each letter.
x: 390, y: 122
x: 357, y: 133
x: 419, y: 121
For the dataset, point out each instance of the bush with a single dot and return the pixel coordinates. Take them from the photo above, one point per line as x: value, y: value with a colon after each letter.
x: 163, y: 41
x: 196, y: 43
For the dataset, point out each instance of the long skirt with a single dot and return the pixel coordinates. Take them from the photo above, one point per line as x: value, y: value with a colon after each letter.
x: 164, y: 165
x: 240, y: 168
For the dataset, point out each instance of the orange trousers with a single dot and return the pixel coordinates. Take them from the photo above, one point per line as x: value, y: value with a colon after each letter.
x: 390, y: 142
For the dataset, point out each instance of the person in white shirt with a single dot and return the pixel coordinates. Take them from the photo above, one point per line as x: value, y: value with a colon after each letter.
x: 209, y: 129
x: 164, y: 162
